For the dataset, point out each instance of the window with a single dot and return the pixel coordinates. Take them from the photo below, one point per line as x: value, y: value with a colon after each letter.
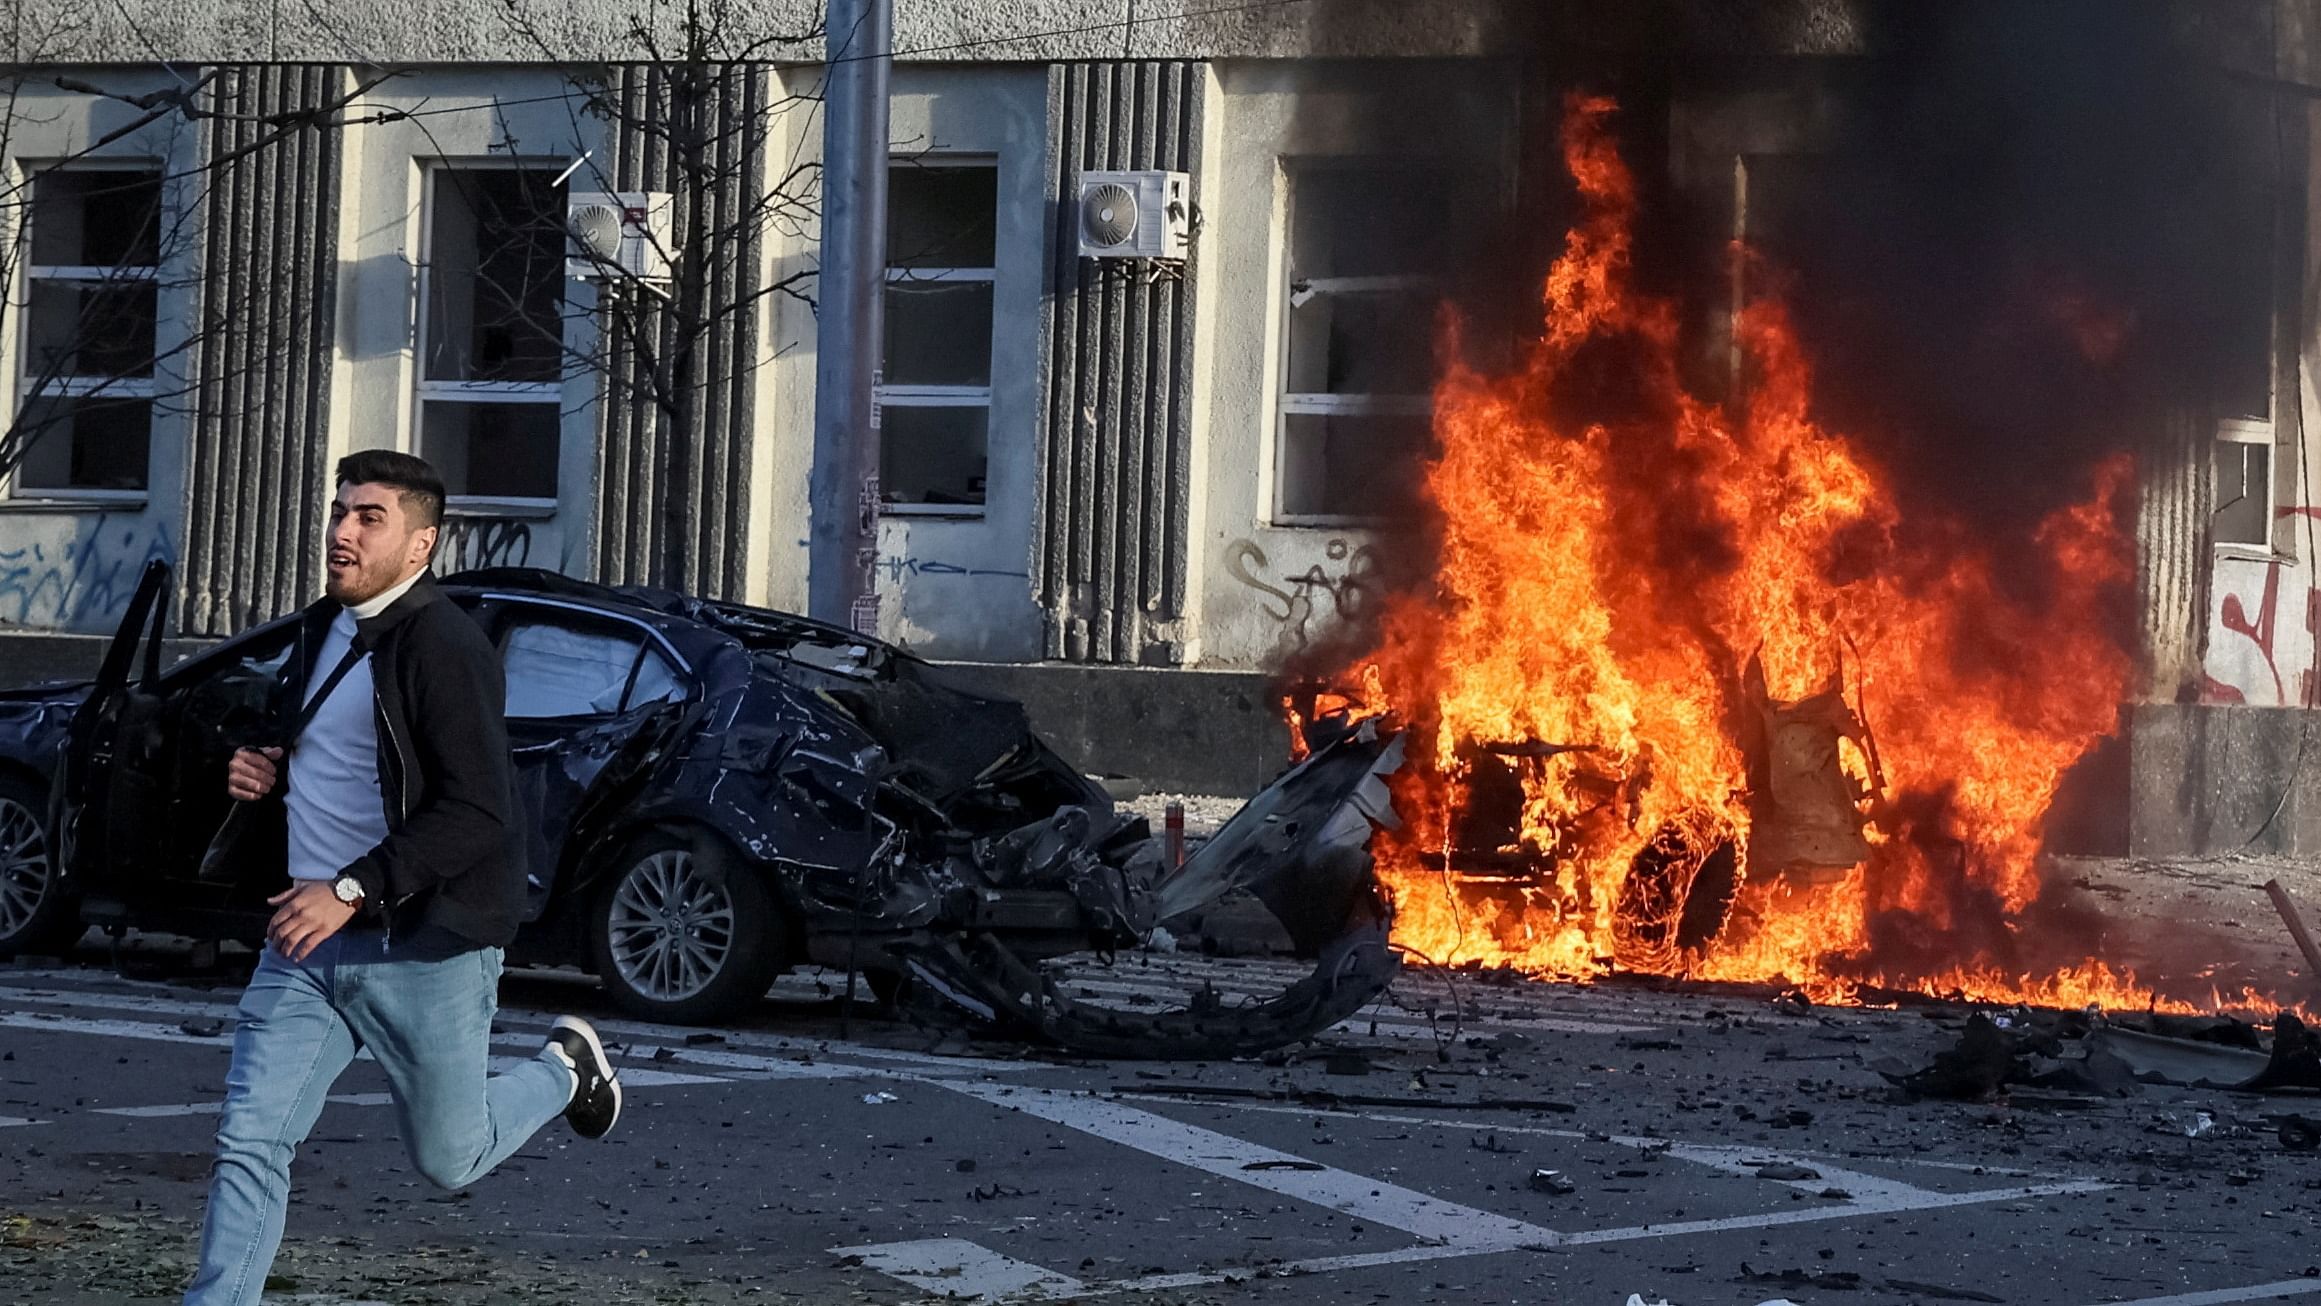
x: 935, y: 403
x: 560, y: 671
x: 2244, y: 484
x: 85, y: 372
x: 1370, y: 249
x: 491, y: 330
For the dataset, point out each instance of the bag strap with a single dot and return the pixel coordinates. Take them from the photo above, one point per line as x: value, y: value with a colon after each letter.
x: 298, y: 724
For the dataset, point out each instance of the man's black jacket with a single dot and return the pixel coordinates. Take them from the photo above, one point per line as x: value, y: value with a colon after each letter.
x: 453, y: 855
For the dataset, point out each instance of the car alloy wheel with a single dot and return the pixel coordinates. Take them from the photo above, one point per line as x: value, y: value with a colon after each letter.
x: 26, y: 878
x: 670, y: 930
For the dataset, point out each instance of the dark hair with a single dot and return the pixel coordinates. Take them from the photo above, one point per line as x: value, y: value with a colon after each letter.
x: 420, y: 486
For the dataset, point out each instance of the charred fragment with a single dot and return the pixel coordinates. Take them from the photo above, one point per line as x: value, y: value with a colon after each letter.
x: 1805, y: 813
x: 1301, y: 847
x: 2082, y: 1052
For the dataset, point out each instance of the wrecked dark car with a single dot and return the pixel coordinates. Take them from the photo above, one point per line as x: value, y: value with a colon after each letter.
x: 711, y: 793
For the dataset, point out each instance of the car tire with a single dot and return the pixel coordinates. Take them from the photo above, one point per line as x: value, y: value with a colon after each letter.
x: 38, y: 914
x: 683, y: 932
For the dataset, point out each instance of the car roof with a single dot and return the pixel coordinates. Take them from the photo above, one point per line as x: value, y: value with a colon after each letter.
x: 671, y: 610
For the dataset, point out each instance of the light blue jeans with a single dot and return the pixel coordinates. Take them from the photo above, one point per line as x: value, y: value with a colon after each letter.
x: 424, y: 1009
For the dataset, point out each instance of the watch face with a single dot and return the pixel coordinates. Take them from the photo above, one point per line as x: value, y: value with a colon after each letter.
x: 348, y: 889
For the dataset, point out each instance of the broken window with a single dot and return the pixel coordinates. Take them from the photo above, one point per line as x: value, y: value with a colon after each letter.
x: 555, y: 670
x: 2244, y: 484
x: 491, y: 331
x: 935, y: 396
x: 85, y: 372
x: 1371, y: 245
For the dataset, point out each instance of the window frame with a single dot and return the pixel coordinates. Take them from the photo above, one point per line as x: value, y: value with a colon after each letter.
x: 1289, y: 403
x: 425, y: 391
x: 25, y: 388
x: 508, y: 609
x: 2249, y: 432
x: 942, y: 396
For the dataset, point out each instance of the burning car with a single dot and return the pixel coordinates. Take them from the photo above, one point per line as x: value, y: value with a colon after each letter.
x: 710, y: 793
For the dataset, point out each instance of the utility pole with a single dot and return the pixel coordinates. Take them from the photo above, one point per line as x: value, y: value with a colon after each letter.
x: 842, y: 554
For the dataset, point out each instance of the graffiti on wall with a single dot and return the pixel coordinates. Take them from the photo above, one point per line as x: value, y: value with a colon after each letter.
x: 2264, y: 632
x: 82, y: 584
x: 1343, y: 588
x: 471, y: 542
x: 894, y: 567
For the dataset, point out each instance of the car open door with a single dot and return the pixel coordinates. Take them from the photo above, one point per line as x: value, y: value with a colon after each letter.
x: 97, y: 806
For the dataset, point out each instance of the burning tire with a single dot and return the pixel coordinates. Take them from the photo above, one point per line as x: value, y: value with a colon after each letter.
x: 1677, y: 893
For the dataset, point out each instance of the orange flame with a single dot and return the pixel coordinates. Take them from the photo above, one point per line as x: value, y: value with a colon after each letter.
x: 1618, y: 557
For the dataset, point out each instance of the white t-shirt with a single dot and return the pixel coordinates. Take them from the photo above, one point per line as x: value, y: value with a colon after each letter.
x: 336, y: 812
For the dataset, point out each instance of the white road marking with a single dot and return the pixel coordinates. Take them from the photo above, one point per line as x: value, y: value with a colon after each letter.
x: 1449, y: 1230
x: 212, y: 1108
x: 131, y: 1003
x: 1399, y: 1024
x: 1285, y: 1269
x: 223, y: 1041
x: 1745, y: 1162
x: 1736, y: 1160
x: 631, y: 1077
x: 1373, y: 1201
x: 954, y: 1268
x: 1927, y: 1201
x: 2223, y: 1296
x: 1419, y: 1029
x: 745, y: 1066
x: 820, y: 1049
x: 672, y: 1037
x: 18, y: 1122
x: 135, y: 1029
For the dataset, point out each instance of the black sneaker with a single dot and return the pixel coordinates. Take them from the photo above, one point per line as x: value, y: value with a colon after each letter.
x: 596, y: 1101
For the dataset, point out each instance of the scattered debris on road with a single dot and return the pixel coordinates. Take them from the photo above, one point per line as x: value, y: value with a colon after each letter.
x: 2093, y: 1054
x: 1787, y: 1172
x: 1554, y: 1182
x: 1837, y: 1280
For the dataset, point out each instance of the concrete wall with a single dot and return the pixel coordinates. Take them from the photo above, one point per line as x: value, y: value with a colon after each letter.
x: 1199, y: 732
x: 2209, y: 780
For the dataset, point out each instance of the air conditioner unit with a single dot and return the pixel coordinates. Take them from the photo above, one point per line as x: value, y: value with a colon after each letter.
x: 618, y: 237
x: 1136, y: 215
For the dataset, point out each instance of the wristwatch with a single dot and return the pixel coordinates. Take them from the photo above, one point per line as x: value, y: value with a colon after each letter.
x: 348, y: 889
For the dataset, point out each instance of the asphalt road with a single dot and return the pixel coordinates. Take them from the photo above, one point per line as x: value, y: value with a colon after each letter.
x: 1708, y: 1148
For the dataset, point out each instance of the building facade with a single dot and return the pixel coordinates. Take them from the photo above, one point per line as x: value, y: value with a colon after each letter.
x: 1085, y: 462
x: 249, y: 239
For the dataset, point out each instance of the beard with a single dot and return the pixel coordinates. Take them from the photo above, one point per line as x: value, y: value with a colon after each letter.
x: 363, y: 582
